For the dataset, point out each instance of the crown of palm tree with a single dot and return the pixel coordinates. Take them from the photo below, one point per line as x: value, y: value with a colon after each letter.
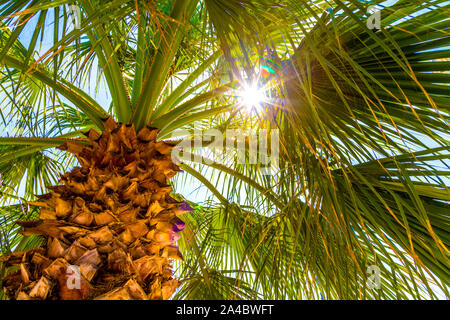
x: 362, y: 116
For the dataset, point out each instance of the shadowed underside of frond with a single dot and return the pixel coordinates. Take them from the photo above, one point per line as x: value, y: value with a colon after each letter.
x: 112, y: 219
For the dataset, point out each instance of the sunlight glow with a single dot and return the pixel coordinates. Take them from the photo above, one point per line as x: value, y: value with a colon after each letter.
x: 252, y: 96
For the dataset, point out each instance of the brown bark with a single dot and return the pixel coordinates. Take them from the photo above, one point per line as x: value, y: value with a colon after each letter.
x: 112, y: 218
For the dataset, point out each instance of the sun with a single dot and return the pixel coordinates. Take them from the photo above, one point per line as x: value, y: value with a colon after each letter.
x: 252, y: 96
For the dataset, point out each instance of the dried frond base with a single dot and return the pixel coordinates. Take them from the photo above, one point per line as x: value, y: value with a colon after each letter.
x: 110, y: 226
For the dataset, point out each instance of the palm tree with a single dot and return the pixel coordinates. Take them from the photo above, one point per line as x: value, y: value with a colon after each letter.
x: 106, y: 89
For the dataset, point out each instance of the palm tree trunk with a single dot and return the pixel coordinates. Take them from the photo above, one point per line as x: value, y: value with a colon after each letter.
x: 110, y: 226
